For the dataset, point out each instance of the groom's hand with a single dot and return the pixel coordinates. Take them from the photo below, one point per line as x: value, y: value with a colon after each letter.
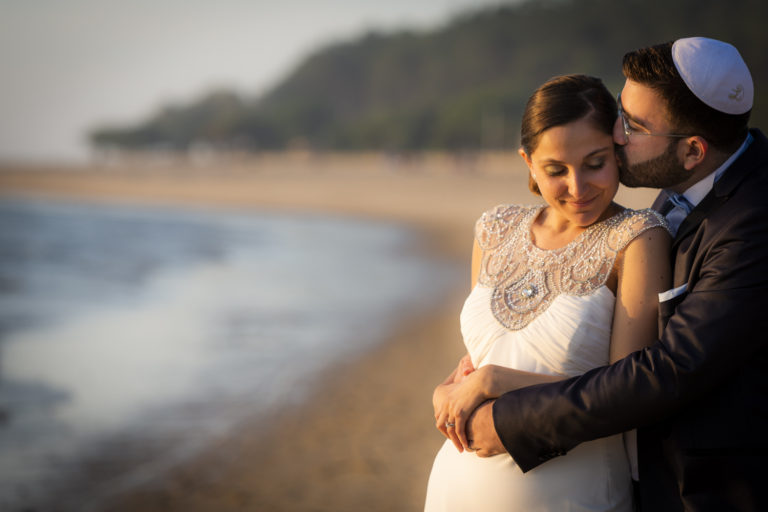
x: 481, y: 434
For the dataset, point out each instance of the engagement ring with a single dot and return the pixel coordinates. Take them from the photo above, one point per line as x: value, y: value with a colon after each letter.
x: 449, y: 424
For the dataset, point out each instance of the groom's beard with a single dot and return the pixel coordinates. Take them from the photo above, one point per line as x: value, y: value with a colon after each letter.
x: 663, y: 171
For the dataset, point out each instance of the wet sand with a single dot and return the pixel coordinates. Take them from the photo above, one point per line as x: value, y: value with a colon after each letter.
x: 364, y: 439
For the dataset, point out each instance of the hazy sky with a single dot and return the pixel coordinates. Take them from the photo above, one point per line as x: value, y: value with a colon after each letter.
x: 69, y: 65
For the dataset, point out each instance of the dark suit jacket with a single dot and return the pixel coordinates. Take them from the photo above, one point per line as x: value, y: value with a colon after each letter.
x: 699, y: 395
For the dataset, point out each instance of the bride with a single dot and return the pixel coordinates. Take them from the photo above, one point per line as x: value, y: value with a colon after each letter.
x: 557, y: 289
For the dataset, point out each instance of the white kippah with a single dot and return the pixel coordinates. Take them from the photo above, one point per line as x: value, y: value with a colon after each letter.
x: 715, y: 72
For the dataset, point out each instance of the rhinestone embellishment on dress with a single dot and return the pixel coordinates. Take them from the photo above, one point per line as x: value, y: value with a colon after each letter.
x: 529, y: 291
x: 526, y: 279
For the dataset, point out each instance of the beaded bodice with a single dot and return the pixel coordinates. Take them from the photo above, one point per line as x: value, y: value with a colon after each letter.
x: 526, y: 279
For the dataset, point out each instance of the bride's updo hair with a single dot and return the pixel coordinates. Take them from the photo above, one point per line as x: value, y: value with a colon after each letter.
x: 562, y: 100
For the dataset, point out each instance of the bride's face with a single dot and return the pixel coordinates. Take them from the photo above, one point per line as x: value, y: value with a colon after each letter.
x: 575, y: 168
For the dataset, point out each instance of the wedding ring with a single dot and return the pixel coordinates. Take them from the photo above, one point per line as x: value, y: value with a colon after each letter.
x: 448, y: 424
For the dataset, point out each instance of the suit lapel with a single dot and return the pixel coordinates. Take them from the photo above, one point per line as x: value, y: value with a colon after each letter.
x: 659, y: 201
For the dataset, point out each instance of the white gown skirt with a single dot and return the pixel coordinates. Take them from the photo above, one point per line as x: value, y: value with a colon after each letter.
x: 583, y: 480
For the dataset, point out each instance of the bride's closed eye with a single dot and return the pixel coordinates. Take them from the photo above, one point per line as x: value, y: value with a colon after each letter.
x: 596, y: 164
x: 554, y: 170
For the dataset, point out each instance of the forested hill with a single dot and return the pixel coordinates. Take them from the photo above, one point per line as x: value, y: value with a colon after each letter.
x: 462, y: 86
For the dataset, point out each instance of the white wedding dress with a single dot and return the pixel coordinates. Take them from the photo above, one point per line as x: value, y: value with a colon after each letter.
x: 544, y: 311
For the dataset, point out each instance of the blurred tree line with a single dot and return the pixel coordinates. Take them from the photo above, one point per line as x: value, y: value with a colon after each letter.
x: 459, y: 87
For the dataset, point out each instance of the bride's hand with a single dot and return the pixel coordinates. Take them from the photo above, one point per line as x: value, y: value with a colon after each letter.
x: 440, y: 399
x: 462, y: 399
x: 456, y: 399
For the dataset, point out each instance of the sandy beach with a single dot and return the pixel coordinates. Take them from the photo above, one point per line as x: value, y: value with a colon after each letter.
x: 364, y: 439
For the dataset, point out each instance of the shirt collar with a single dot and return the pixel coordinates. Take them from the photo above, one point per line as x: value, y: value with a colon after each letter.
x: 701, y: 188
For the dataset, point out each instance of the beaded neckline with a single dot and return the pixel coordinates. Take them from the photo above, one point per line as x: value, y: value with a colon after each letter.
x: 526, y: 278
x: 536, y: 211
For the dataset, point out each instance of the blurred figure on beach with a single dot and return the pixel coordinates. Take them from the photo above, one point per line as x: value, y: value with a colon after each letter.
x: 698, y: 395
x: 557, y: 289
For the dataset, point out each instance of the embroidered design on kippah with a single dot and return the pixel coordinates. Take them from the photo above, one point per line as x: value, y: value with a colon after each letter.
x: 526, y: 279
x: 737, y: 93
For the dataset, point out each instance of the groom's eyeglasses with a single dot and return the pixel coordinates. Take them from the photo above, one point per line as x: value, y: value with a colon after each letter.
x: 628, y: 130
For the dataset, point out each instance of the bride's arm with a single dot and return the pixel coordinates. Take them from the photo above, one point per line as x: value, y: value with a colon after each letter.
x: 643, y: 272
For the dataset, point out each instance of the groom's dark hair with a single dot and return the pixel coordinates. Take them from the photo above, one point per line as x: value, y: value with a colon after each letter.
x: 654, y: 67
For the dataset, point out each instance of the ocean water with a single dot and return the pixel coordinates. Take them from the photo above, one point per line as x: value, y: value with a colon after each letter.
x: 161, y: 328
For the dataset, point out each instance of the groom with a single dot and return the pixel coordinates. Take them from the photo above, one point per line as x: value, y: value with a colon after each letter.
x: 698, y: 396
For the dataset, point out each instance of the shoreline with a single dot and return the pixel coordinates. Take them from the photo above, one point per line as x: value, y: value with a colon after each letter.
x: 365, y: 438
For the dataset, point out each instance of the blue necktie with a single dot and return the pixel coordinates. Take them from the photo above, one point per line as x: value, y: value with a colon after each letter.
x: 681, y: 202
x: 676, y: 208
x: 675, y: 200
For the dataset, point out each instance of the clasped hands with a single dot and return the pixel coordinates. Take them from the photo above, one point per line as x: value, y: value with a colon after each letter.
x: 463, y: 409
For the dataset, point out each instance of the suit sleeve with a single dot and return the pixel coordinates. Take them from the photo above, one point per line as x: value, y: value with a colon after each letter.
x: 719, y: 324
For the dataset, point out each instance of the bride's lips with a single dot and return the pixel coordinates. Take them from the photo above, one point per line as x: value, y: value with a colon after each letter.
x: 583, y: 203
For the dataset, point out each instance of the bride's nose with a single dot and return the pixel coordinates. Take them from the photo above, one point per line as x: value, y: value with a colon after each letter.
x: 577, y: 184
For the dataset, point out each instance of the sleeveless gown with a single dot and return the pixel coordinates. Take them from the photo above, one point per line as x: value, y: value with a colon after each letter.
x: 544, y: 311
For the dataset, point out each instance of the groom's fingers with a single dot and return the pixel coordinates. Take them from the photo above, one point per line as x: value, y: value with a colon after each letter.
x: 480, y: 428
x: 471, y: 430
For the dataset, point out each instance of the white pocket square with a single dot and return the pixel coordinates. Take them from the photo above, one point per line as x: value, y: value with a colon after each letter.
x: 671, y: 294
